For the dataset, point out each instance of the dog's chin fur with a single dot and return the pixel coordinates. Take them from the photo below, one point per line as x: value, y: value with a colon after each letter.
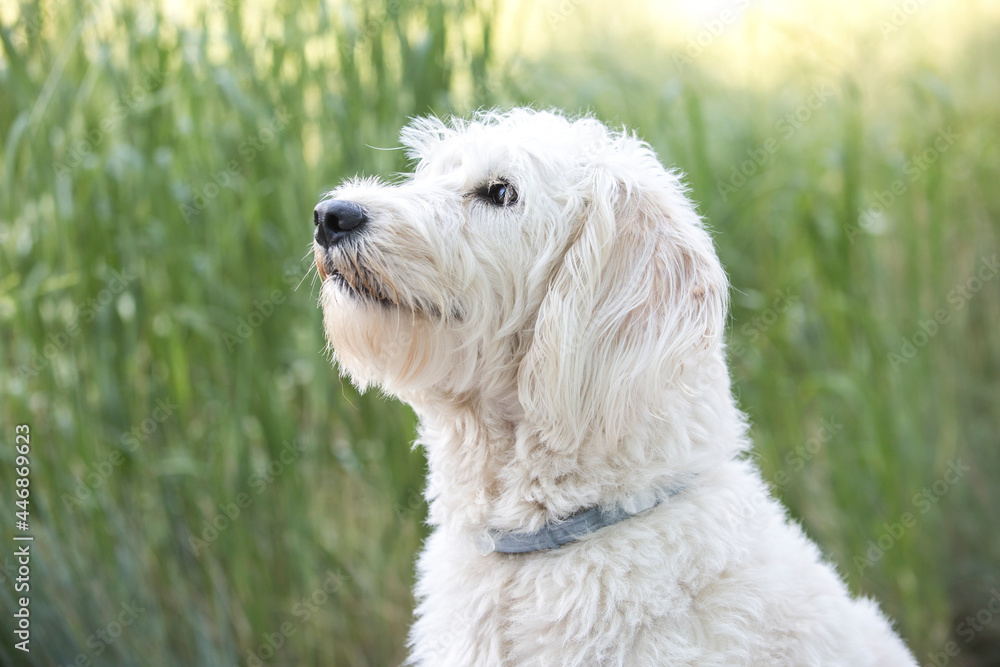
x: 382, y: 344
x: 566, y: 352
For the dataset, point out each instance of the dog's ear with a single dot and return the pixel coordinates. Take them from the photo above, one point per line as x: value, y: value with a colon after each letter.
x: 423, y: 134
x: 639, y: 292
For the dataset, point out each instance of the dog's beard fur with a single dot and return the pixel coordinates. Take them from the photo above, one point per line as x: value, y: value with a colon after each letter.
x: 380, y: 343
x: 353, y: 277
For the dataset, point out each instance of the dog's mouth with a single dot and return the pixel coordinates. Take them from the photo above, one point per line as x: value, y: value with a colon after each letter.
x: 365, y: 285
x: 356, y: 280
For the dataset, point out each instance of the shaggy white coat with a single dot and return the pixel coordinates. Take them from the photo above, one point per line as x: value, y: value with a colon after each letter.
x: 562, y: 352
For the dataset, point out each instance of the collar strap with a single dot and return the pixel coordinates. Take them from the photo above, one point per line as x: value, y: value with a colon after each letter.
x: 557, y: 533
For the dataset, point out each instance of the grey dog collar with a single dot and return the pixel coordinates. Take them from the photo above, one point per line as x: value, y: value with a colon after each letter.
x: 557, y: 533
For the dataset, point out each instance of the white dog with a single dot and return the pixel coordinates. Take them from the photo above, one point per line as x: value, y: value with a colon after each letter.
x: 543, y: 294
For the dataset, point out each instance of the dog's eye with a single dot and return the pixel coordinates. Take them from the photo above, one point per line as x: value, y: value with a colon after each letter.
x: 501, y: 194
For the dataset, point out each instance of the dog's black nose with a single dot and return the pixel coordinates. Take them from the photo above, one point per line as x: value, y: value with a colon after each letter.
x: 336, y: 219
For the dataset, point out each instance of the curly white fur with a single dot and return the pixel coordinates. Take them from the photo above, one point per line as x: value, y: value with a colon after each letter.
x: 563, y: 352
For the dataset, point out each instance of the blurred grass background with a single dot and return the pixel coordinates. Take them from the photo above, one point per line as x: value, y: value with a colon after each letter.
x: 161, y: 337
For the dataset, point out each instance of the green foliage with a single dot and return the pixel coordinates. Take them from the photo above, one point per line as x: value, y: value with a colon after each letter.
x: 161, y: 337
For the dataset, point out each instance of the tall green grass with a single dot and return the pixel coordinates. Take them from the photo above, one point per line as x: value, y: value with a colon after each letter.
x: 160, y: 333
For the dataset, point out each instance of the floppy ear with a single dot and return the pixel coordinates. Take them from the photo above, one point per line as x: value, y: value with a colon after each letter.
x: 640, y: 291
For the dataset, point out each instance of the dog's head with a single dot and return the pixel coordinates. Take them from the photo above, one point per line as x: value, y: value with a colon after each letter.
x: 538, y: 260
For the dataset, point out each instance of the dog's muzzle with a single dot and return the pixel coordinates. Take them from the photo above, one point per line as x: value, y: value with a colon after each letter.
x: 336, y: 220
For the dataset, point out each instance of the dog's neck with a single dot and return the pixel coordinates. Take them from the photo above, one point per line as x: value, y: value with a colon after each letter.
x: 469, y: 442
x: 488, y: 469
